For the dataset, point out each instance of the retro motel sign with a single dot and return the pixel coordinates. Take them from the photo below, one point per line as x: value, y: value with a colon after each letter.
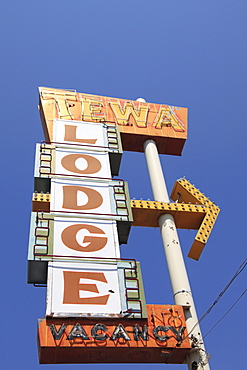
x: 96, y: 310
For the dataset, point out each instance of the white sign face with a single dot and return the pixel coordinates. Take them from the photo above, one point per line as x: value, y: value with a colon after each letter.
x: 85, y: 238
x: 88, y: 197
x: 82, y: 289
x: 82, y: 163
x: 79, y: 133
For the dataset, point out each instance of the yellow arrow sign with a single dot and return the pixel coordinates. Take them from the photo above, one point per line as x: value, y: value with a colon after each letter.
x: 184, y: 191
x: 191, y: 210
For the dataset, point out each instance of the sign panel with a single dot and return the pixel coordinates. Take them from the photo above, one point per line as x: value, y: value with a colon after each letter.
x: 85, y: 238
x: 88, y: 197
x: 80, y: 133
x: 60, y: 160
x: 72, y: 237
x: 82, y: 163
x: 161, y: 338
x: 82, y: 289
x: 137, y: 121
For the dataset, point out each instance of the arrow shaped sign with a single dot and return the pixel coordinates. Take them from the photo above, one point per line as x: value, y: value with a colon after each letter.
x: 191, y: 210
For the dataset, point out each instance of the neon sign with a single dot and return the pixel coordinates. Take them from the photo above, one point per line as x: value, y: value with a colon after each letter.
x: 137, y: 121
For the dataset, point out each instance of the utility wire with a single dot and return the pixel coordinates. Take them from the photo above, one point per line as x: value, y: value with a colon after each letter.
x: 226, y: 313
x: 239, y: 270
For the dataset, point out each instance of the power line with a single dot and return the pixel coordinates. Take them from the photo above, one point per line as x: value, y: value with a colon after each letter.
x: 226, y: 313
x: 239, y: 270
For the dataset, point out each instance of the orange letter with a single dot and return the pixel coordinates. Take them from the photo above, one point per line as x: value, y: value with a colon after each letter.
x: 93, y: 164
x: 70, y: 135
x: 72, y: 287
x: 95, y: 243
x: 70, y: 198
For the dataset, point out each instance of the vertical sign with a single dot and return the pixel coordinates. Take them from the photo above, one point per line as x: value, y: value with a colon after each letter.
x: 77, y: 223
x: 80, y: 216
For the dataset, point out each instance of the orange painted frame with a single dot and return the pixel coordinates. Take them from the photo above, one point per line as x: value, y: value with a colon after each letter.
x: 137, y: 121
x: 119, y: 350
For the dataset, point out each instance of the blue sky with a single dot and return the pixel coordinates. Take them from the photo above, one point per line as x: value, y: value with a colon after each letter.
x: 184, y: 53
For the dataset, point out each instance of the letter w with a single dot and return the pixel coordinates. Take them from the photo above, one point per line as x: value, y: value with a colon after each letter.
x: 122, y: 115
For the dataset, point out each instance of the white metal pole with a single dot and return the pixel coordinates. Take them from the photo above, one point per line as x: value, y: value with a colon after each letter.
x: 197, y: 359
